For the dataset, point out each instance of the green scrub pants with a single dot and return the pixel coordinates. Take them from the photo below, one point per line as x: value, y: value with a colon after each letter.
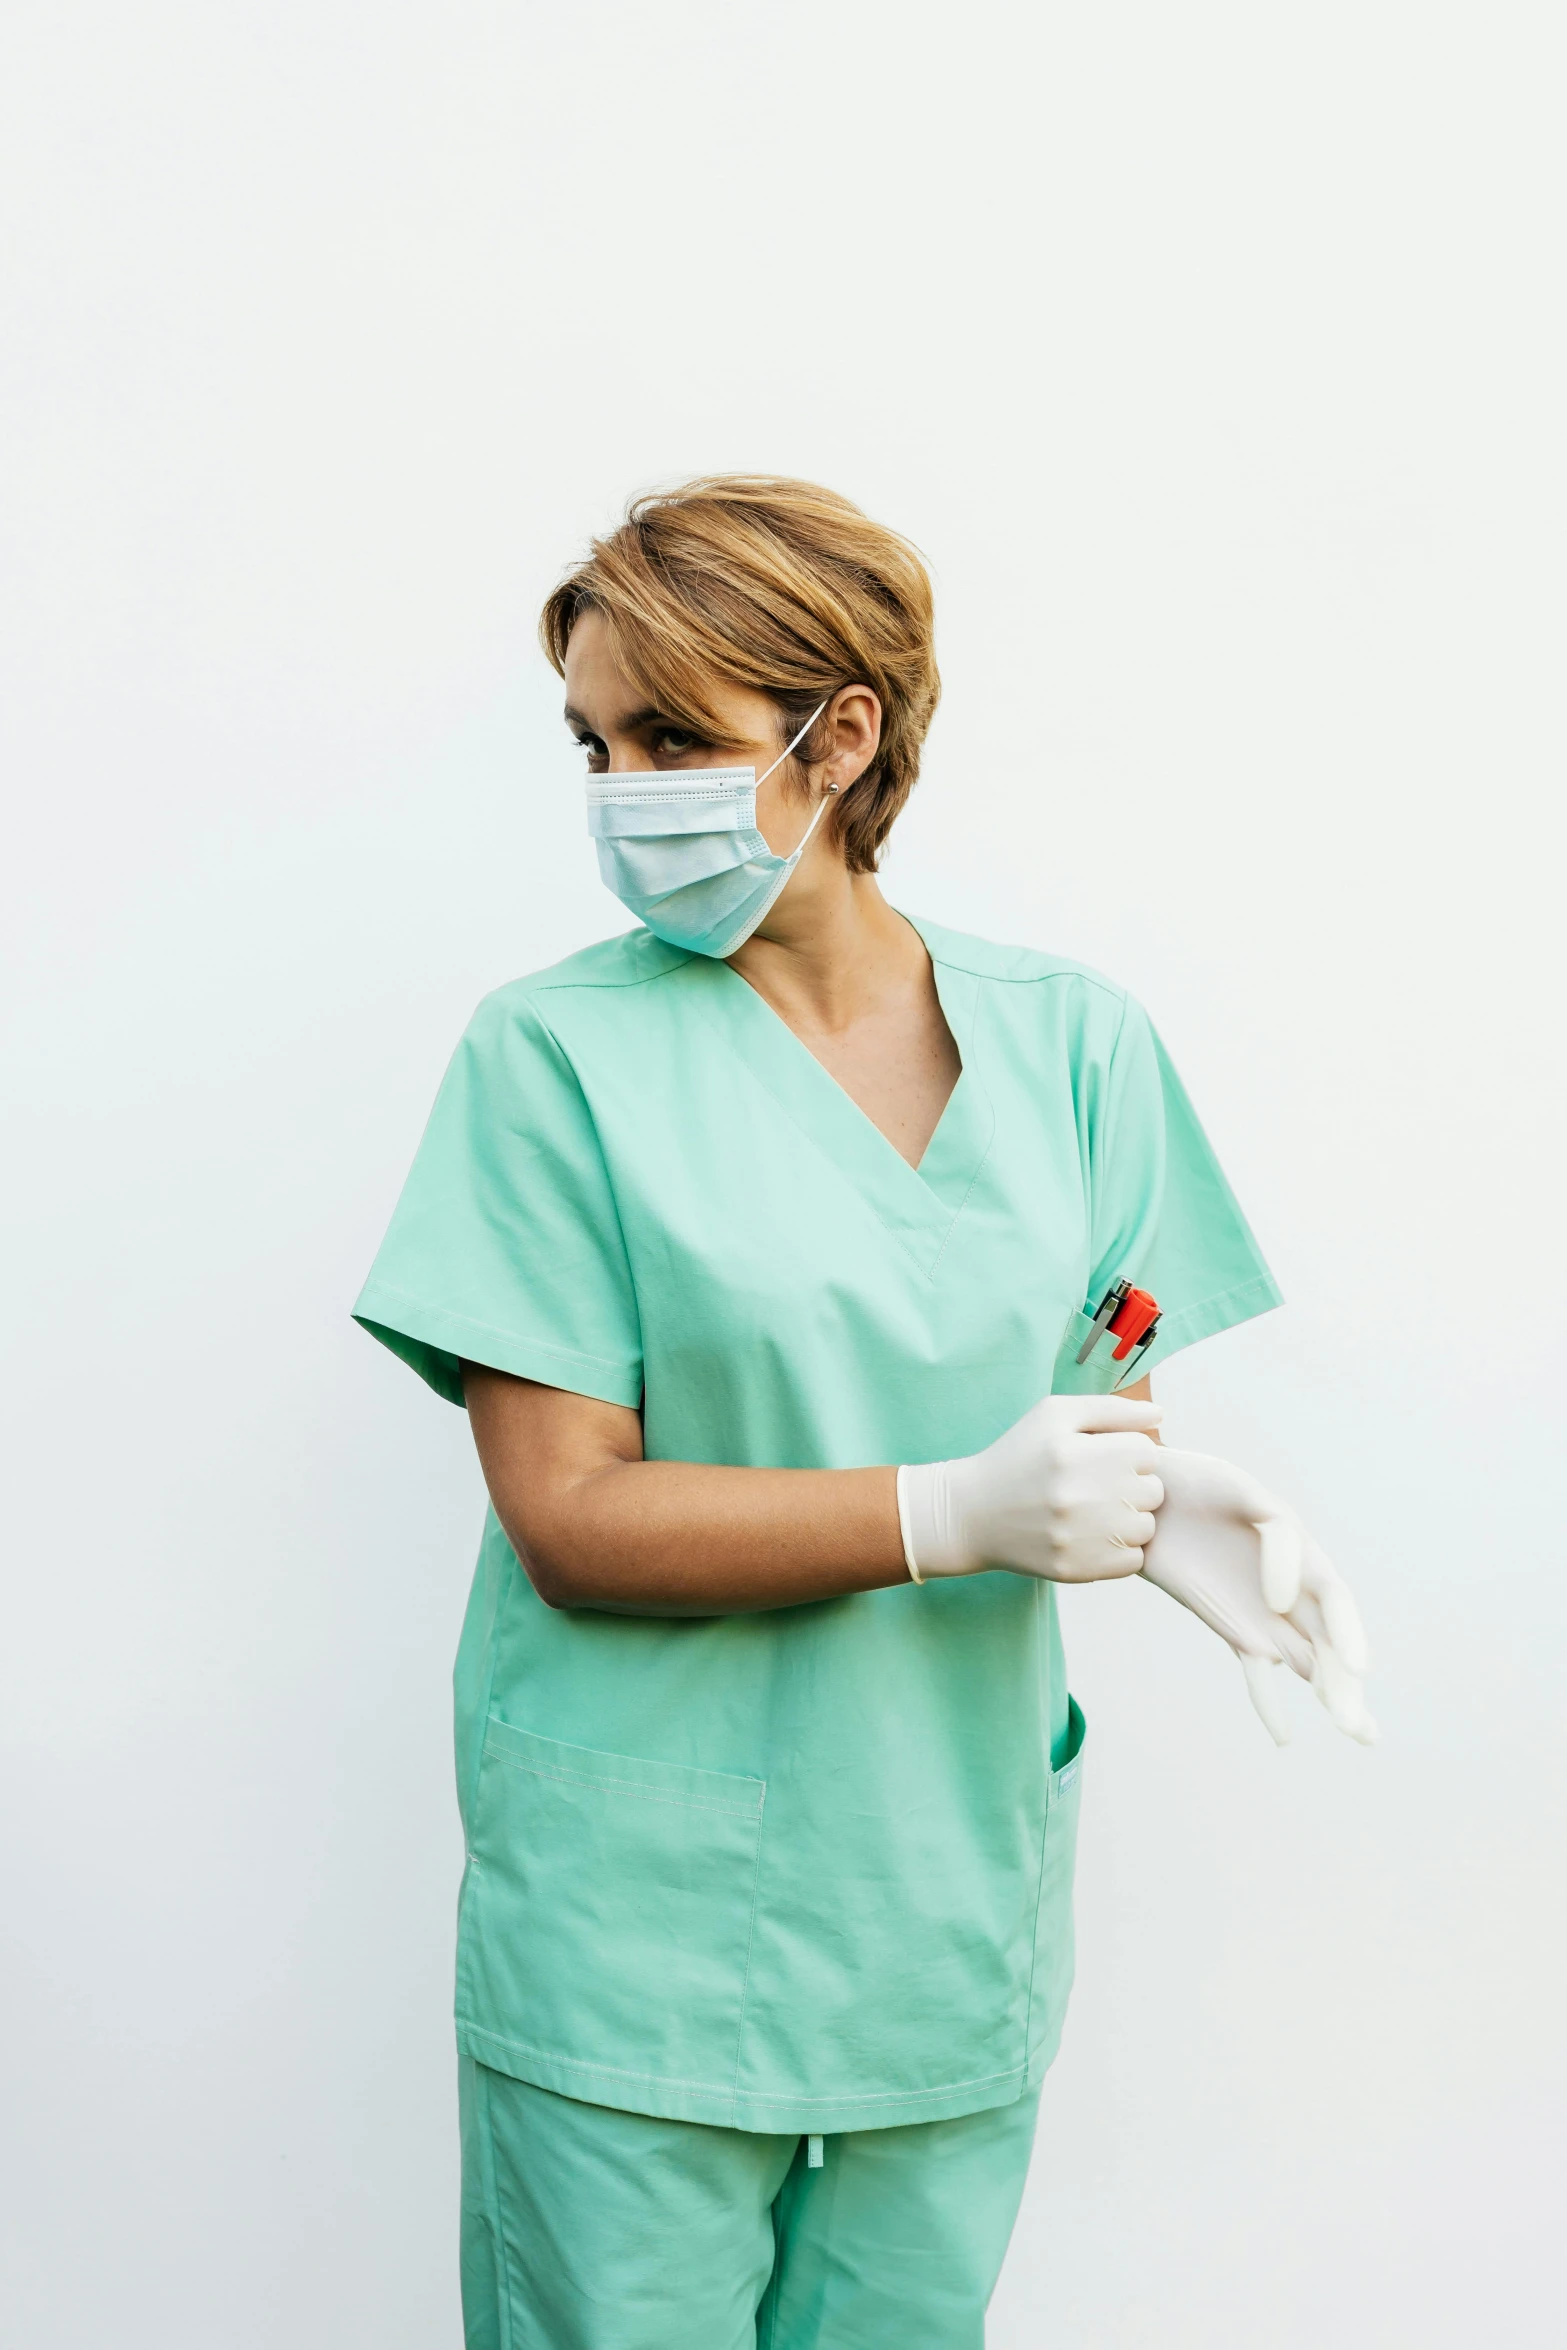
x: 584, y: 2228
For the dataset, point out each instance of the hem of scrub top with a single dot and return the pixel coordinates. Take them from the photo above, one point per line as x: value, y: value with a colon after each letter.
x: 1205, y: 1320
x: 770, y: 2115
x: 431, y: 1340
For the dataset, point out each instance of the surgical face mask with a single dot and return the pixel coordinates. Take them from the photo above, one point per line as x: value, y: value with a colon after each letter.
x: 681, y: 849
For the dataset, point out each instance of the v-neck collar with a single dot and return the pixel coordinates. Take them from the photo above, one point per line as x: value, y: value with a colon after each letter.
x: 919, y: 1206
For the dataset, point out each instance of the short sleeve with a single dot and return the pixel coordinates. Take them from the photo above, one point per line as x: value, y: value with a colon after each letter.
x: 1162, y: 1214
x: 505, y: 1247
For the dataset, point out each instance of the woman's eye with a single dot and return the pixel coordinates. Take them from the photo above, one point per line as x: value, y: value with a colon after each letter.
x: 672, y: 744
x: 597, y: 755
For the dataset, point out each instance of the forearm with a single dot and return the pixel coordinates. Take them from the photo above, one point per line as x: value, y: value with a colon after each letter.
x: 597, y: 1526
x: 679, y: 1538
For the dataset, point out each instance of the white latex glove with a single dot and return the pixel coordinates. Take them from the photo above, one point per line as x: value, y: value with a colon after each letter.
x: 1245, y: 1564
x: 1066, y: 1493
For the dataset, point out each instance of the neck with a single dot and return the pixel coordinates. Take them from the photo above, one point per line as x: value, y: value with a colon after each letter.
x: 830, y: 948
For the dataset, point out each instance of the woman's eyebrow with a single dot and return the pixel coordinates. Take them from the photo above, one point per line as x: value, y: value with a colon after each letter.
x: 633, y: 717
x: 626, y: 725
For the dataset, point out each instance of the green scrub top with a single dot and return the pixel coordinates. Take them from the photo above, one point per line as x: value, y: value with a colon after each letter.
x: 808, y: 1869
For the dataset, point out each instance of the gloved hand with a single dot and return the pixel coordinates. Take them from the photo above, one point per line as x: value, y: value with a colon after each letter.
x: 1245, y: 1564
x: 1066, y: 1493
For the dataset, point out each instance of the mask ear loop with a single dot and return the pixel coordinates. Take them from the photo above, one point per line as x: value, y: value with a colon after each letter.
x: 821, y: 805
x: 794, y: 746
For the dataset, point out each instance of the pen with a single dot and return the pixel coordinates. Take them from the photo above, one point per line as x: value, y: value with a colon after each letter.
x: 1132, y: 1318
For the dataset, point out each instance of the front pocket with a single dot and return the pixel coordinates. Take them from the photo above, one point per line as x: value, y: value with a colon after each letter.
x: 1054, y: 1954
x: 606, y: 1919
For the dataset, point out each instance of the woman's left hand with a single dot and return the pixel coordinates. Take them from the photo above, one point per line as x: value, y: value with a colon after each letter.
x: 1244, y: 1563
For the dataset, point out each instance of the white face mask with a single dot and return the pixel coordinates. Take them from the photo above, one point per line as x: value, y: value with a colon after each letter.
x: 680, y: 848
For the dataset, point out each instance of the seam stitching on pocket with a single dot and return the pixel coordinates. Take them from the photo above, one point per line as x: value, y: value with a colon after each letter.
x: 730, y: 1811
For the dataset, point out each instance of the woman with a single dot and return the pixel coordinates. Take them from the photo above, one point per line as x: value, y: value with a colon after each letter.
x: 762, y: 1242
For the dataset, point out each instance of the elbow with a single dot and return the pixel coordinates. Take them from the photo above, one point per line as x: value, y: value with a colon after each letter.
x: 557, y: 1591
x: 554, y: 1582
x: 560, y: 1547
x: 556, y: 1579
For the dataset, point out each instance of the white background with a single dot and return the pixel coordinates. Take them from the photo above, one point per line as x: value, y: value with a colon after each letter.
x: 1212, y: 354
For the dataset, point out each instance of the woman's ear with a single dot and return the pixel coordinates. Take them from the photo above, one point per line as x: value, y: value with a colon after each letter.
x: 854, y: 715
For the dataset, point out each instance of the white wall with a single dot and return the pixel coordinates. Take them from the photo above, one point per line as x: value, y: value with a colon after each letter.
x: 1214, y: 356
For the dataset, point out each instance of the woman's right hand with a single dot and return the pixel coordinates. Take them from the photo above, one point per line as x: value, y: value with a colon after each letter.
x: 1067, y: 1493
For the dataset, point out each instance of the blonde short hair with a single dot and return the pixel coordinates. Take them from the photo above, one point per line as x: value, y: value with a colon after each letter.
x: 776, y: 585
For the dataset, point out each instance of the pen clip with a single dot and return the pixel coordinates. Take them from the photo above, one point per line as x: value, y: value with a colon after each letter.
x: 1113, y: 1297
x: 1130, y: 1315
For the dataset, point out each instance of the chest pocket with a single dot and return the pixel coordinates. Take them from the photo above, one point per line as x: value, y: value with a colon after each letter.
x: 606, y: 1911
x: 1101, y: 1374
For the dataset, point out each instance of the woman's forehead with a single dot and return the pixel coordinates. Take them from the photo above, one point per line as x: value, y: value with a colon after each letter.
x: 599, y: 693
